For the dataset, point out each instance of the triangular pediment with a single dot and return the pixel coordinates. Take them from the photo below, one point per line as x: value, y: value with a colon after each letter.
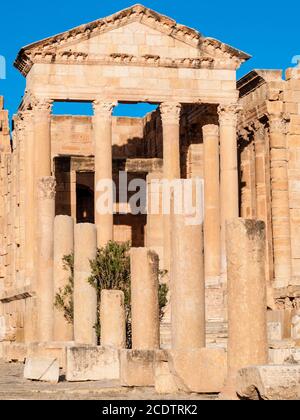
x: 137, y: 32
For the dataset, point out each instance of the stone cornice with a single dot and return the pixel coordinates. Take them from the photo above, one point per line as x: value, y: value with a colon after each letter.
x: 75, y: 57
x: 136, y: 13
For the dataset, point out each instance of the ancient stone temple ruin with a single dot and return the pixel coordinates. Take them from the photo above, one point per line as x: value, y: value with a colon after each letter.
x: 234, y: 282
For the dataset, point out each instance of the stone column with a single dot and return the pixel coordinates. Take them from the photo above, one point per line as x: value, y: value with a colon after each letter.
x: 29, y: 208
x: 63, y: 246
x: 144, y: 299
x: 170, y: 116
x: 212, y: 231
x: 247, y: 307
x: 229, y: 174
x: 280, y: 201
x: 42, y: 135
x: 46, y: 213
x: 85, y: 298
x: 187, y: 285
x: 112, y: 319
x: 263, y: 192
x: 102, y: 137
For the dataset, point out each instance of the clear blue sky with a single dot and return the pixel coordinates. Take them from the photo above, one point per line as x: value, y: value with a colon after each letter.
x: 268, y: 30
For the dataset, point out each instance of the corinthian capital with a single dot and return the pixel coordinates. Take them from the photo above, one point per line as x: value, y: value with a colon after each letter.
x: 41, y: 104
x: 228, y: 114
x: 46, y: 187
x: 102, y: 108
x: 170, y: 112
x: 277, y: 123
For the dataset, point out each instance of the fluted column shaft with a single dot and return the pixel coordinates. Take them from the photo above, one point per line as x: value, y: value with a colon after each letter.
x: 229, y: 173
x: 170, y: 116
x: 46, y: 213
x: 212, y: 233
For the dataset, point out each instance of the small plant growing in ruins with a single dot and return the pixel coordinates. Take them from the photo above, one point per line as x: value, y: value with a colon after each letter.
x: 111, y: 270
x: 64, y: 297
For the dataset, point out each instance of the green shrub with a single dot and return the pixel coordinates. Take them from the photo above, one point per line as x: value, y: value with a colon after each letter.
x: 63, y: 300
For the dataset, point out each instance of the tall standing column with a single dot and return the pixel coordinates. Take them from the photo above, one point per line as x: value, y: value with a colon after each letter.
x: 42, y: 135
x: 170, y: 116
x: 187, y: 284
x: 46, y: 213
x: 263, y: 191
x: 63, y: 246
x: 144, y: 299
x: 212, y: 232
x: 85, y: 298
x: 247, y: 307
x: 280, y: 201
x: 229, y: 172
x: 102, y: 137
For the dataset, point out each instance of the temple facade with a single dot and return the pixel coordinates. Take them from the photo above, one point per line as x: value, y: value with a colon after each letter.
x: 242, y: 138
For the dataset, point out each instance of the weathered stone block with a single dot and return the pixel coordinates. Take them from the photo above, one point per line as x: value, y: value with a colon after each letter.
x: 92, y: 364
x: 42, y: 369
x: 199, y: 370
x: 164, y: 380
x: 269, y: 382
x: 137, y: 367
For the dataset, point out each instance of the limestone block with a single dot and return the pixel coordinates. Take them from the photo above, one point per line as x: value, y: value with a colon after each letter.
x: 274, y: 331
x: 42, y: 369
x: 137, y: 367
x: 199, y: 370
x: 164, y: 380
x: 280, y: 382
x: 86, y: 363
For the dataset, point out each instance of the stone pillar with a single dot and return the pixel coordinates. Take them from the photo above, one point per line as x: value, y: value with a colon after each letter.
x: 30, y: 207
x: 187, y: 285
x: 85, y: 298
x: 112, y: 319
x: 170, y: 116
x: 247, y: 307
x: 280, y: 200
x: 212, y: 231
x: 155, y: 222
x: 42, y: 135
x: 263, y: 192
x: 63, y: 246
x: 144, y: 299
x: 102, y: 137
x: 46, y: 213
x: 229, y: 174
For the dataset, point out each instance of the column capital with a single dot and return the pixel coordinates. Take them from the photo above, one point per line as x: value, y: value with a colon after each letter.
x: 210, y: 130
x: 41, y: 104
x: 277, y: 123
x: 46, y: 187
x: 103, y: 108
x: 170, y: 112
x: 228, y: 114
